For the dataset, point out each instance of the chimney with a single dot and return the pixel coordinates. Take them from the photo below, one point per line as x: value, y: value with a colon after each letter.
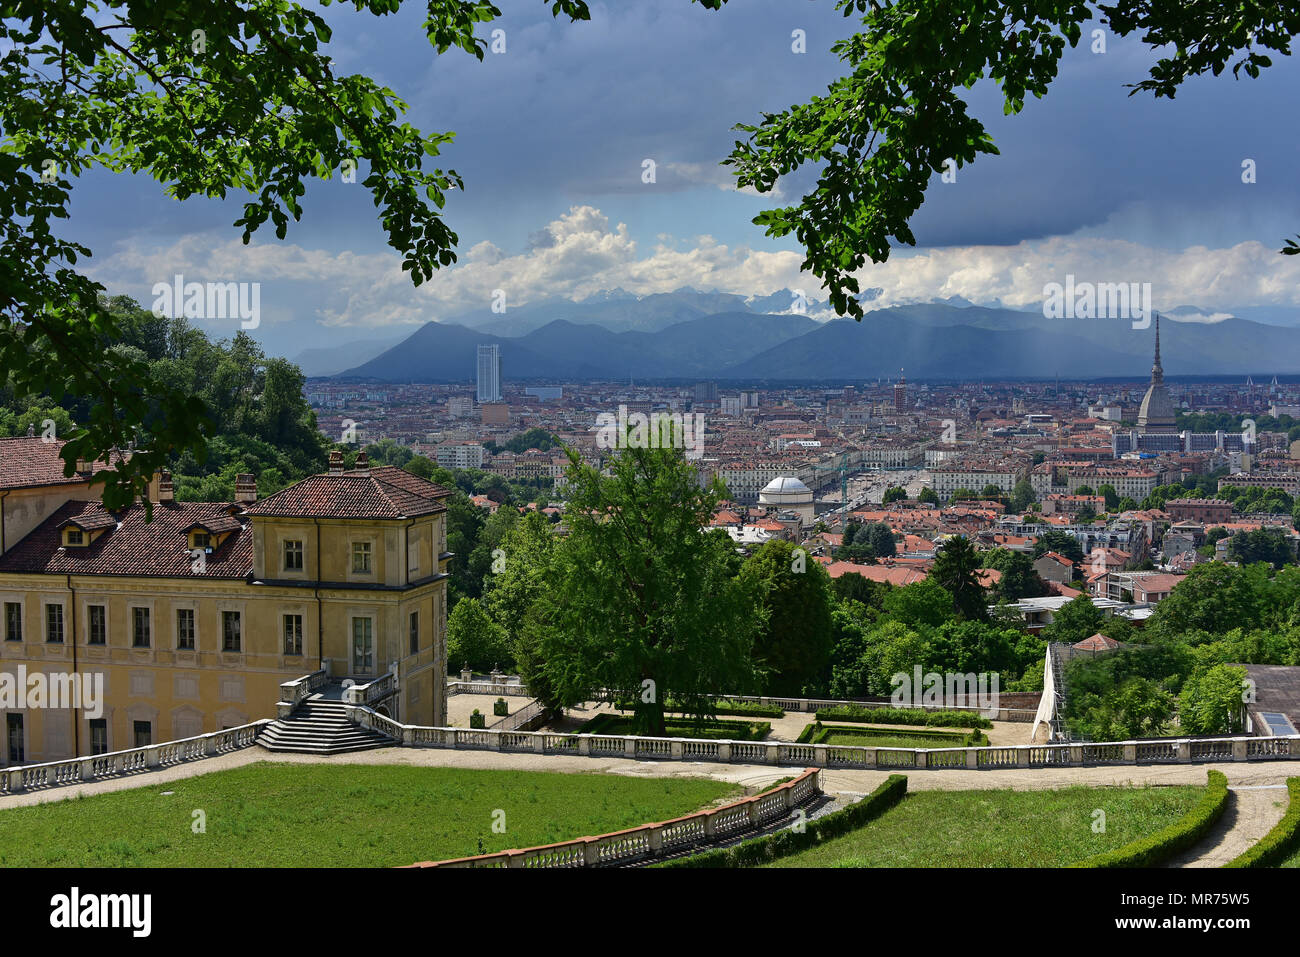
x: 245, y: 488
x: 362, y: 464
x: 336, y: 462
x: 84, y: 467
x: 166, y: 490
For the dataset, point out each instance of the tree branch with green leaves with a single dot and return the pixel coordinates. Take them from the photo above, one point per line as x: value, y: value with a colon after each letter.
x: 899, y: 114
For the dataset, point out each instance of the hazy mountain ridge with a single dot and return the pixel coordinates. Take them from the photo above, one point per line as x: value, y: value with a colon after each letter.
x: 925, y: 340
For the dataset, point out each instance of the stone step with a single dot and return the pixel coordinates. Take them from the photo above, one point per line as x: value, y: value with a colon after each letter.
x: 320, y: 726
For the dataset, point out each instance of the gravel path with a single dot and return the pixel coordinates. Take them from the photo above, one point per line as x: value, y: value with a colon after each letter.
x: 1250, y: 814
x: 834, y: 780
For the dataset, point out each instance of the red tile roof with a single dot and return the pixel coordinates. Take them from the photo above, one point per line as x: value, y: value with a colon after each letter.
x: 132, y: 546
x: 1097, y: 642
x: 27, y: 462
x: 379, y: 493
x: 877, y: 573
x: 1058, y: 558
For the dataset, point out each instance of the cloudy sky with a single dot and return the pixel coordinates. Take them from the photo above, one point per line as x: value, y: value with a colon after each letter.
x: 551, y: 137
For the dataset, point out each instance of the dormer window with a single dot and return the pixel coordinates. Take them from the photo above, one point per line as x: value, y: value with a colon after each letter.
x: 74, y: 537
x: 201, y: 540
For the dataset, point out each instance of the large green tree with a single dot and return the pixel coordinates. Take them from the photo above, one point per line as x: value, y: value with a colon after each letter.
x: 1211, y: 702
x: 1019, y: 578
x: 518, y: 574
x: 1076, y: 620
x: 795, y: 644
x: 641, y: 603
x: 957, y: 568
x: 474, y: 639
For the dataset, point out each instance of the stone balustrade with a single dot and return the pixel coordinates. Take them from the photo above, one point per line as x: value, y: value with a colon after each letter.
x: 295, y: 692
x: 371, y: 692
x: 801, y: 705
x: 657, y: 840
x: 1172, y: 751
x: 499, y: 688
x: 134, y: 760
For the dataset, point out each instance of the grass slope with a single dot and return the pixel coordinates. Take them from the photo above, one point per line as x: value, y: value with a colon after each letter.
x: 321, y: 815
x: 1001, y: 828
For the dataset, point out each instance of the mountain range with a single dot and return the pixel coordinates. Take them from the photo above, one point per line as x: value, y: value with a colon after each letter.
x: 693, y: 335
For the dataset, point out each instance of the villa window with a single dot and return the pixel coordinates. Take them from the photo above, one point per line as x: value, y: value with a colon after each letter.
x: 143, y: 731
x: 141, y: 636
x: 184, y: 629
x: 415, y: 632
x: 13, y: 621
x: 54, y: 624
x: 14, y: 732
x: 231, y: 639
x: 293, y: 634
x: 98, y: 735
x: 363, y: 646
x: 96, y: 625
x: 361, y: 558
x: 293, y: 556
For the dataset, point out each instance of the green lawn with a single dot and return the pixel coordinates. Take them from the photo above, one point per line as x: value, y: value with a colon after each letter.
x: 1001, y: 828
x: 888, y: 737
x: 718, y: 730
x: 322, y: 815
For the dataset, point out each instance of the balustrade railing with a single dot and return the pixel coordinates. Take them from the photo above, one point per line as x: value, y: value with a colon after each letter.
x: 1173, y: 750
x: 371, y: 692
x: 506, y: 688
x: 654, y: 840
x: 131, y: 761
x: 294, y: 693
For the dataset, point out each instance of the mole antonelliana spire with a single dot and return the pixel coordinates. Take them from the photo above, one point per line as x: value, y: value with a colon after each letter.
x: 1157, y: 411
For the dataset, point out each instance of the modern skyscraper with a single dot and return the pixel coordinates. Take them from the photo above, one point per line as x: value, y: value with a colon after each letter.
x: 489, y: 373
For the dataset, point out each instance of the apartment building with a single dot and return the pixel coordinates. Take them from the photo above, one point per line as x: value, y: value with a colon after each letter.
x: 1205, y: 511
x: 975, y: 475
x: 468, y: 455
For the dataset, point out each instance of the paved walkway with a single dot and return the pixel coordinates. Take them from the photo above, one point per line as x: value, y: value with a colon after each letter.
x: 850, y: 782
x: 1251, y: 813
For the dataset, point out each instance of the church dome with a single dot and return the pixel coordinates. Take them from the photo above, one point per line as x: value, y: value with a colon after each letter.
x: 786, y: 485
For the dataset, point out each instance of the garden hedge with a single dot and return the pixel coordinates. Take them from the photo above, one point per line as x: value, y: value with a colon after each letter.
x: 741, y: 708
x: 1277, y: 844
x: 910, y: 716
x: 784, y: 843
x: 1157, y: 848
x: 817, y: 733
x: 736, y: 730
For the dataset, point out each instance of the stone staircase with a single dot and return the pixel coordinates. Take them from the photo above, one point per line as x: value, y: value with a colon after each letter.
x: 320, y: 726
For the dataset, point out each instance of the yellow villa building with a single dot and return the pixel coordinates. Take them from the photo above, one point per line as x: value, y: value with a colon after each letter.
x: 195, y: 618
